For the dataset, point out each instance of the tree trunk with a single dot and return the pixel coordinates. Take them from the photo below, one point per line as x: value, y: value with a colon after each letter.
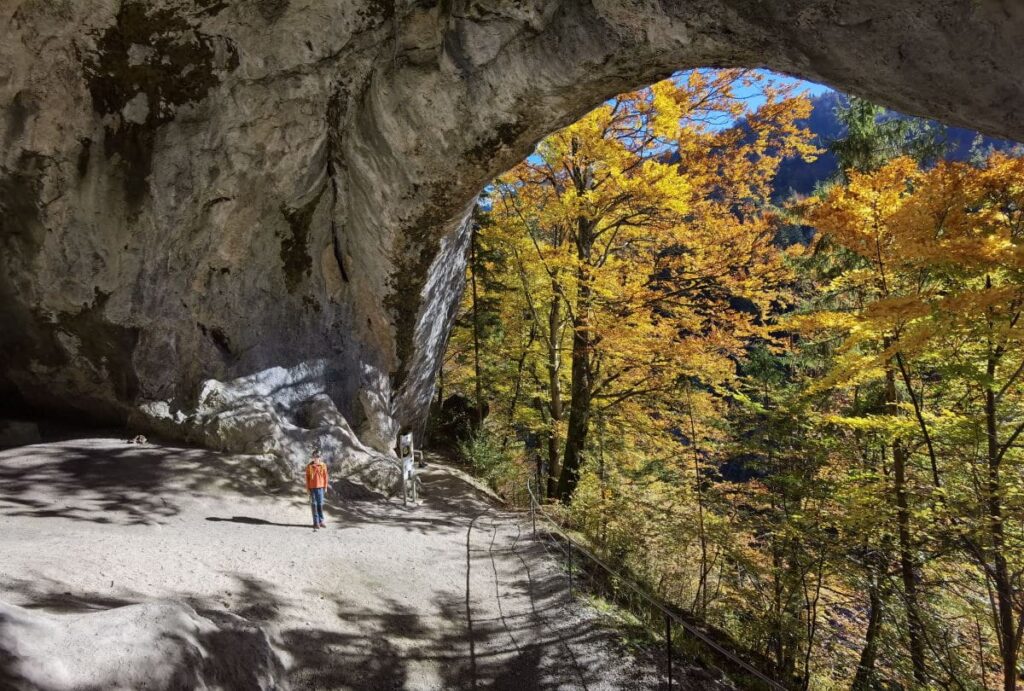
x: 602, y: 476
x: 554, y: 366
x: 520, y: 365
x: 778, y: 648
x: 1000, y: 570
x: 784, y: 610
x: 865, y: 678
x: 700, y: 601
x: 579, y: 407
x: 908, y: 570
x: 581, y: 389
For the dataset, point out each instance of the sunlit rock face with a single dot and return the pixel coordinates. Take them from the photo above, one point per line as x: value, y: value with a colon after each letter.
x: 240, y: 191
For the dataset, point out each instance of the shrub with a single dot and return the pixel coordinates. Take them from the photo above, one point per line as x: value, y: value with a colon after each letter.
x: 502, y: 466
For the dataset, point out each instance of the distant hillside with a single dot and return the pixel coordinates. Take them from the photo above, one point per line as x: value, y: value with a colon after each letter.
x: 797, y: 176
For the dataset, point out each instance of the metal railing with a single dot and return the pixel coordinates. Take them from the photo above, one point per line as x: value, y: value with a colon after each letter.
x: 670, y: 617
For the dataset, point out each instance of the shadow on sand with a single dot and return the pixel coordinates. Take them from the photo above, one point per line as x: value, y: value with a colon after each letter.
x: 393, y: 640
x: 247, y: 520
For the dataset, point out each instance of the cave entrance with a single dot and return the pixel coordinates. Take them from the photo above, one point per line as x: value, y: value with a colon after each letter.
x: 657, y: 197
x: 625, y: 334
x: 680, y: 192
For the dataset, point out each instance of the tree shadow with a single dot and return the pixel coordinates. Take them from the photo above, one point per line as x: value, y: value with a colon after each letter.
x: 432, y: 636
x: 446, y: 504
x: 389, y: 644
x: 331, y: 660
x: 108, y: 481
x: 233, y: 653
x: 76, y: 603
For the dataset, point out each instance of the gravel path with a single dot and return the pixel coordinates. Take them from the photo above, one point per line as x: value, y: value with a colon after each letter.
x: 454, y: 593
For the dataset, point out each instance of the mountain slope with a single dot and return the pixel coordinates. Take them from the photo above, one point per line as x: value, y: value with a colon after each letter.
x: 800, y: 177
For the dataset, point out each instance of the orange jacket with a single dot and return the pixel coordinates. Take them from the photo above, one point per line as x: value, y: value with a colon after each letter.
x: 316, y: 475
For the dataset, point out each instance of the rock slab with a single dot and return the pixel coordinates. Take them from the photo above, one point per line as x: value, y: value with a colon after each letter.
x: 160, y: 646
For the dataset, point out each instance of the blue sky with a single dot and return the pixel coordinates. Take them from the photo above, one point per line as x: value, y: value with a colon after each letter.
x: 802, y: 85
x: 756, y: 99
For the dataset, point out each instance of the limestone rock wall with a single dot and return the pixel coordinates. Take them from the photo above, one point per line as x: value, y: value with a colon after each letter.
x: 162, y: 645
x: 257, y: 191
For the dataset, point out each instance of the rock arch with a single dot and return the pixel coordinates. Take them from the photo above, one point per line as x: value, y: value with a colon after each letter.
x: 272, y: 193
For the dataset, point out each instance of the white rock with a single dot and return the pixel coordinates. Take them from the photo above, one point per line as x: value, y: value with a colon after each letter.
x: 159, y: 646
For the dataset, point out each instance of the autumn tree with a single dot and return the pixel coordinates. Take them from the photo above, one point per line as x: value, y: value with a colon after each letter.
x: 815, y: 450
x: 646, y: 220
x: 942, y: 298
x: 872, y: 138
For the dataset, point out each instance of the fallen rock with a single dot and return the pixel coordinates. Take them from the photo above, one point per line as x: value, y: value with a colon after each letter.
x: 155, y: 646
x: 243, y: 417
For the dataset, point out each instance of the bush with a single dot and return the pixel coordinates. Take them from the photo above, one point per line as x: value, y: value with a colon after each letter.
x: 502, y: 466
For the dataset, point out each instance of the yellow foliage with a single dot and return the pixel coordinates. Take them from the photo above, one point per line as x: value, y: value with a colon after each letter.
x: 640, y: 227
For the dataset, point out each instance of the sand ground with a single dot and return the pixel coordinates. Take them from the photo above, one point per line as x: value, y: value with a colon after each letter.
x: 453, y: 593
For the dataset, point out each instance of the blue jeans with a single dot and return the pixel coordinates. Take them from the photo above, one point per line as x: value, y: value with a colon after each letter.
x: 316, y: 499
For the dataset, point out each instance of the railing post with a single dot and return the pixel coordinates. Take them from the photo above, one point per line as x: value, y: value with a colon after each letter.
x: 633, y: 593
x: 570, y: 570
x: 668, y: 649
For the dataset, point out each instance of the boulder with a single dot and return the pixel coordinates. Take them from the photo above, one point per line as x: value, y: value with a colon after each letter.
x: 240, y: 417
x: 162, y: 645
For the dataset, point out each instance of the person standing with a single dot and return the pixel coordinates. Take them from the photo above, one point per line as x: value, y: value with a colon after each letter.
x: 316, y: 485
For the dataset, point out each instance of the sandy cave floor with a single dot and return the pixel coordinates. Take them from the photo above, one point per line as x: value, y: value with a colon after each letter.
x: 453, y: 593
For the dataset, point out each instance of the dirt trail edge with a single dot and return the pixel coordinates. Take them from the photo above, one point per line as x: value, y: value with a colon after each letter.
x: 454, y: 593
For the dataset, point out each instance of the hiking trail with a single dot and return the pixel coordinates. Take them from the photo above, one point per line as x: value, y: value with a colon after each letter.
x: 453, y: 593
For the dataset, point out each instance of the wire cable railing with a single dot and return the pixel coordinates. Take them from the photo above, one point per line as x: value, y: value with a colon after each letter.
x: 670, y: 617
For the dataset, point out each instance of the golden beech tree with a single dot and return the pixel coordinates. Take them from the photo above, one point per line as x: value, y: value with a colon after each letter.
x: 939, y: 296
x: 840, y: 490
x: 640, y: 239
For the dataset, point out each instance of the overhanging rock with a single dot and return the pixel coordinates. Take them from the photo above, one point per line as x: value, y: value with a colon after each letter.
x: 195, y: 191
